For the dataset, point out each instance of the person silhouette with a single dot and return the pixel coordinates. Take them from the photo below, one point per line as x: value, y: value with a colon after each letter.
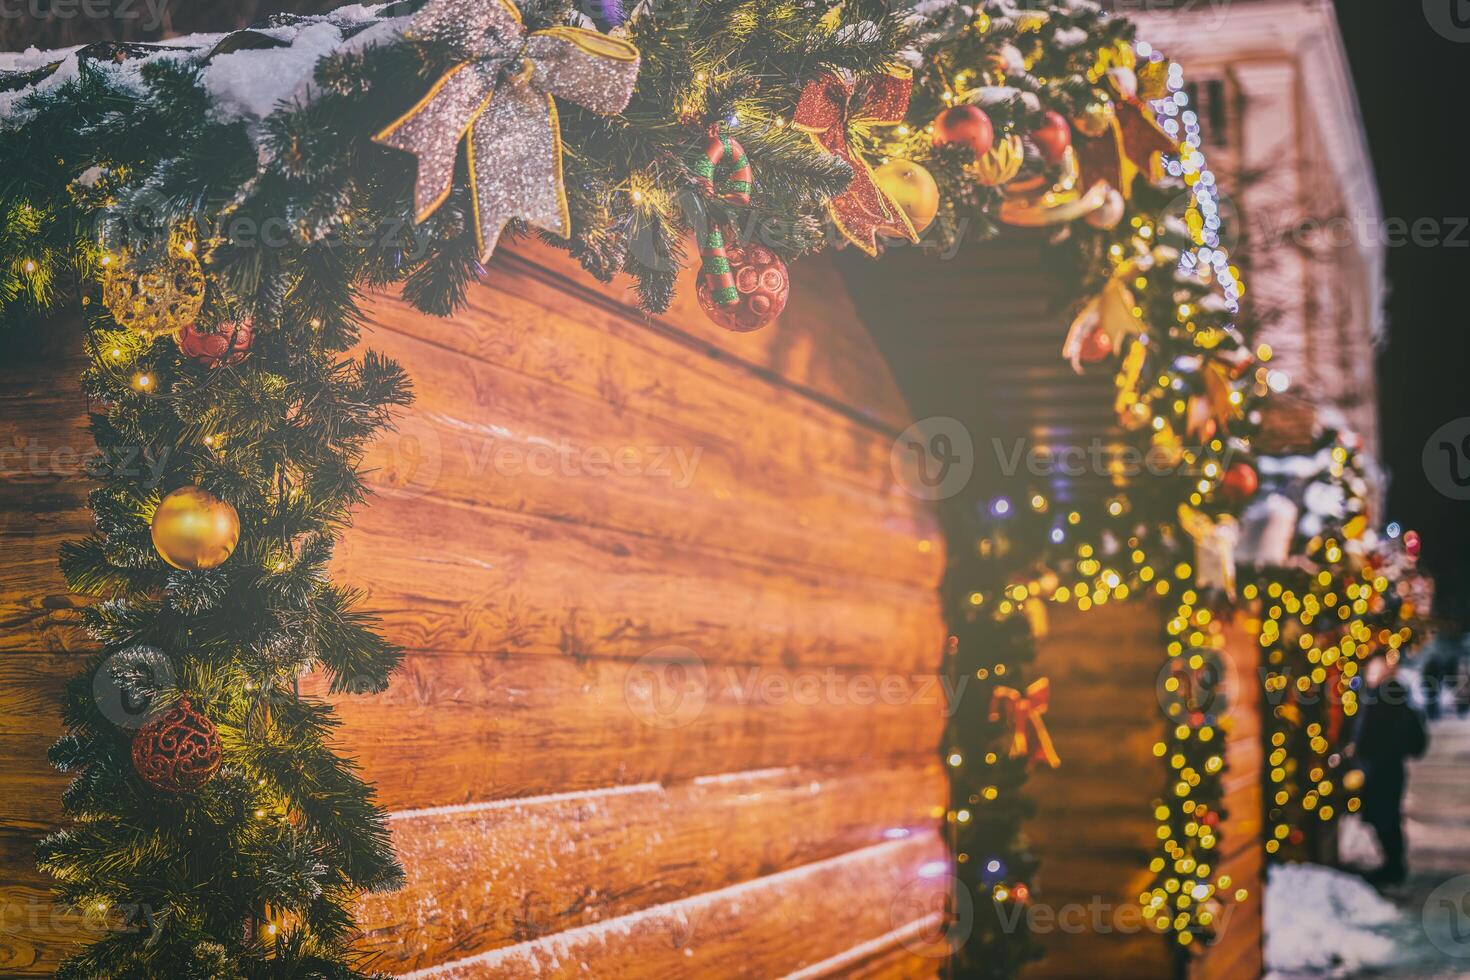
x: 1390, y: 730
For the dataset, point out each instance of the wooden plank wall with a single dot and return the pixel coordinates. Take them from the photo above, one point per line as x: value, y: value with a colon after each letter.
x: 672, y: 627
x: 43, y: 439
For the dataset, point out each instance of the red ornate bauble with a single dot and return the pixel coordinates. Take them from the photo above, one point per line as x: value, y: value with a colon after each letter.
x: 229, y: 344
x: 1096, y: 346
x: 177, y: 751
x: 966, y: 125
x: 1052, y: 137
x: 1239, y: 482
x: 1411, y: 544
x: 763, y: 284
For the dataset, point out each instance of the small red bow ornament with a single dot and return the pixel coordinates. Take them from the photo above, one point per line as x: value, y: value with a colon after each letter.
x: 1023, y: 713
x: 828, y: 109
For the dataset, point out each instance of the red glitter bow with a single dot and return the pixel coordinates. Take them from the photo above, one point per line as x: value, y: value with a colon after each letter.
x: 1130, y: 145
x: 1023, y: 712
x: 829, y: 105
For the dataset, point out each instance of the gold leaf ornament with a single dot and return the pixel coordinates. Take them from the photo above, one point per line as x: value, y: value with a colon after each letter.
x: 1153, y: 80
x: 154, y: 299
x: 1000, y: 164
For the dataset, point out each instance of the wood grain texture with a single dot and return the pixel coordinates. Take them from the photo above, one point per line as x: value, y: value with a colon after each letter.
x: 44, y: 445
x: 771, y: 926
x: 471, y: 728
x: 486, y: 876
x: 797, y: 348
x: 1094, y: 826
x: 471, y: 581
x: 487, y: 434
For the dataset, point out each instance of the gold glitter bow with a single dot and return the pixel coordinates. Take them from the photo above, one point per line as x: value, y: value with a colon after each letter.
x: 501, y: 101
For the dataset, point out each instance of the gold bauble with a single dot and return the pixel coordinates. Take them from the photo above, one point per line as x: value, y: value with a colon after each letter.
x: 912, y: 188
x: 158, y: 299
x: 193, y: 529
x: 1096, y: 118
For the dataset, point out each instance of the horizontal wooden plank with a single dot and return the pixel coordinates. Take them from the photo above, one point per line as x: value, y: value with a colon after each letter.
x: 456, y: 728
x: 772, y: 926
x: 447, y: 577
x: 31, y: 684
x: 522, y: 324
x: 484, y: 434
x: 897, y: 962
x: 43, y: 413
x: 32, y: 798
x: 37, y: 609
x: 798, y: 349
x: 35, y: 936
x: 486, y: 876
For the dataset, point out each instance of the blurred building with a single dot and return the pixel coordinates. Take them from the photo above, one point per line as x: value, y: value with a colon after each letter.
x: 1282, y: 131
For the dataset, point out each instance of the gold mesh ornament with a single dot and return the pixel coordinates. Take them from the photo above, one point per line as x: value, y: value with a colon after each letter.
x: 157, y: 300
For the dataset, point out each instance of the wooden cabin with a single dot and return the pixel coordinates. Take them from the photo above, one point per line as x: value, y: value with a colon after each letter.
x: 623, y: 553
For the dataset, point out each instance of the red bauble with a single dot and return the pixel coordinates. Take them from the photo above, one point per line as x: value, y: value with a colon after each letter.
x: 1096, y: 346
x: 966, y: 125
x: 177, y: 751
x: 763, y: 284
x: 1411, y: 544
x: 229, y: 344
x: 1052, y: 137
x: 1239, y: 482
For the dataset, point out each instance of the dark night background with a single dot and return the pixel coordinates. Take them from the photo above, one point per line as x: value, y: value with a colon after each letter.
x: 1411, y: 82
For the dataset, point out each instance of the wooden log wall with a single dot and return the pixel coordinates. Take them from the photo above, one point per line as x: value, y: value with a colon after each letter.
x: 669, y: 703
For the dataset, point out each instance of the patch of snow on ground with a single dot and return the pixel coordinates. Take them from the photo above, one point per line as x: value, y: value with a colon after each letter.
x: 1323, y: 922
